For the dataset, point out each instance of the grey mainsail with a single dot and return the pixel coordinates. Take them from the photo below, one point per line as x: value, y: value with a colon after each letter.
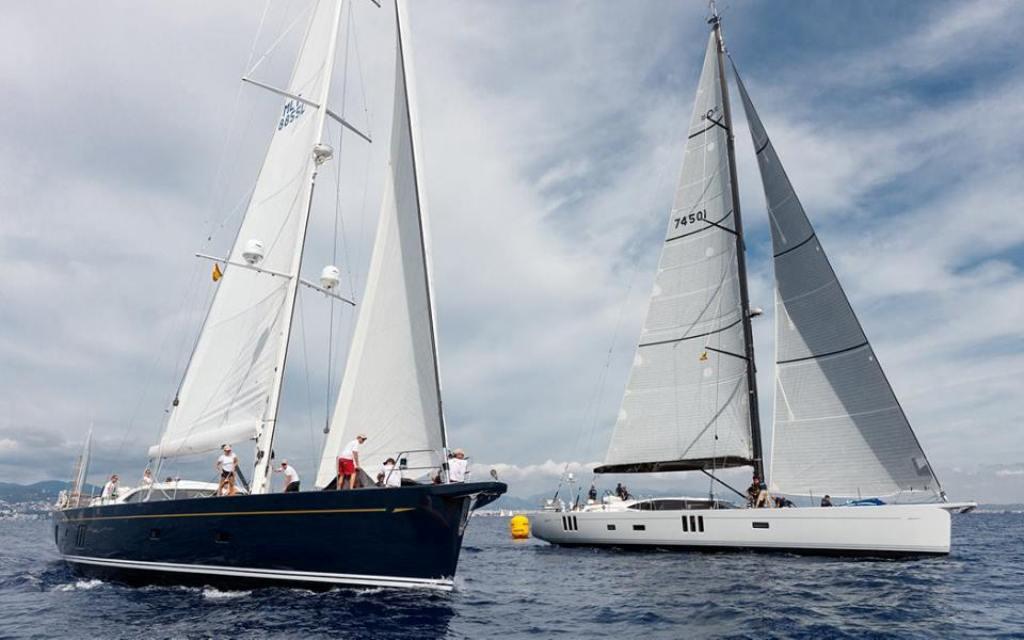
x: 687, y: 402
x: 838, y: 428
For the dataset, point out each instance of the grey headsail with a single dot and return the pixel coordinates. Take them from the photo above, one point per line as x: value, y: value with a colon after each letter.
x: 687, y: 402
x: 839, y: 428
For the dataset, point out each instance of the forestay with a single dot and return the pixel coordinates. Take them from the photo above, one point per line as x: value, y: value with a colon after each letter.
x: 229, y: 391
x: 839, y: 428
x: 391, y: 387
x: 686, y: 404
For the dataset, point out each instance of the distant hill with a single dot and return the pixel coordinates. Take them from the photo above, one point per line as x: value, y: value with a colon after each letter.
x: 46, y: 490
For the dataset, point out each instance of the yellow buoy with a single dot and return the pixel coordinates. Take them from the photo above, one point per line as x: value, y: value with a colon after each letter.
x: 519, y: 525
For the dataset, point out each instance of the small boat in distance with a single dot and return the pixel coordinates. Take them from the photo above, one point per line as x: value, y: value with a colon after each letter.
x: 691, y: 401
x: 180, y: 531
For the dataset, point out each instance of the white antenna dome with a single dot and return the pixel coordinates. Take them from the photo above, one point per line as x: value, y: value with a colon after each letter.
x: 322, y: 152
x: 330, y: 277
x: 756, y: 311
x: 253, y: 252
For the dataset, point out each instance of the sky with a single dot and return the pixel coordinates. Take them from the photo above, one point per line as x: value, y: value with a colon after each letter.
x: 552, y: 139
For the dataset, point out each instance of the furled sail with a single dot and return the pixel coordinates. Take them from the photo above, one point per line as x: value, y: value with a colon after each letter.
x: 839, y: 428
x: 687, y: 405
x: 229, y: 391
x: 391, y: 387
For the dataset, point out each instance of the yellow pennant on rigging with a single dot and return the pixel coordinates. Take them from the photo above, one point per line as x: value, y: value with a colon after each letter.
x: 217, y: 273
x: 703, y: 356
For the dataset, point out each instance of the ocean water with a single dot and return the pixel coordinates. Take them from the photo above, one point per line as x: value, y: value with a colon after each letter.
x: 513, y: 589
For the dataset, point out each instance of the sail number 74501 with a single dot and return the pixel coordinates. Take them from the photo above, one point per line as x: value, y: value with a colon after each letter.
x: 684, y: 220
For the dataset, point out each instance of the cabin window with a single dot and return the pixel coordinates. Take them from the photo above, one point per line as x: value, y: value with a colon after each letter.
x: 611, y: 527
x: 56, y: 531
x: 760, y: 525
x: 700, y: 524
x: 693, y: 523
x: 686, y: 524
x: 639, y: 527
x: 80, y: 536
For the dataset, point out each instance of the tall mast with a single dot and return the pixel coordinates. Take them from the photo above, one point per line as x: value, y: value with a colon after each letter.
x: 265, y: 438
x: 755, y: 419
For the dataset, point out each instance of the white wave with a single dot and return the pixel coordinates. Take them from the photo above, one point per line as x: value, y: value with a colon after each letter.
x: 80, y: 585
x: 215, y: 594
x: 370, y: 591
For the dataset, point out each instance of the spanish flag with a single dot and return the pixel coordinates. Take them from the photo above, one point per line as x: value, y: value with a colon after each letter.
x: 217, y: 273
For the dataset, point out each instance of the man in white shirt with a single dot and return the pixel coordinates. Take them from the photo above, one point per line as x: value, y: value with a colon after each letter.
x: 390, y: 476
x: 226, y: 464
x: 458, y: 466
x: 348, y: 462
x: 147, y: 478
x: 291, y: 477
x: 110, y: 489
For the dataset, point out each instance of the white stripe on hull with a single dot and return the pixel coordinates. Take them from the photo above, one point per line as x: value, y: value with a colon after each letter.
x: 881, y: 529
x: 268, y: 574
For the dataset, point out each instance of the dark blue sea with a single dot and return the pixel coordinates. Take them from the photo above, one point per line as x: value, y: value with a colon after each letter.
x: 508, y: 589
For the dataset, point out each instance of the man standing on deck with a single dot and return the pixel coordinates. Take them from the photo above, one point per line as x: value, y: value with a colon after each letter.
x: 291, y: 477
x: 348, y: 462
x: 110, y: 489
x: 226, y: 464
x: 458, y: 466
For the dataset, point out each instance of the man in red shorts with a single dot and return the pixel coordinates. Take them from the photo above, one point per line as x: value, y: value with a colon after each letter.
x: 348, y: 462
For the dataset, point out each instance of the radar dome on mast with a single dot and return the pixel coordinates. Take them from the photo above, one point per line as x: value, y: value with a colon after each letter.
x: 322, y: 152
x: 330, y: 277
x: 253, y: 252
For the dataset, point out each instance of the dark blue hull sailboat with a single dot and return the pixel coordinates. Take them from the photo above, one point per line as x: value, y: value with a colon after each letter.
x: 395, y: 537
x: 407, y: 536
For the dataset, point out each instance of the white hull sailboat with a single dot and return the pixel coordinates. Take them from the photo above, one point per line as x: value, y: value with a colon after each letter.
x: 691, y: 401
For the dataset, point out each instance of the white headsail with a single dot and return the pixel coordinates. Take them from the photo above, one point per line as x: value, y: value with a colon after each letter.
x: 839, y: 428
x: 391, y: 387
x: 687, y: 403
x: 231, y: 387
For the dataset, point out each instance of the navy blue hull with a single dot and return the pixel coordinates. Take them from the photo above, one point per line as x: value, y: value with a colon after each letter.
x: 406, y: 537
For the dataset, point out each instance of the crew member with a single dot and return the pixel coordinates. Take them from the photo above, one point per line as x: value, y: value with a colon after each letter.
x: 348, y: 462
x: 110, y: 489
x: 762, y: 496
x: 147, y: 478
x: 753, y: 490
x: 592, y: 494
x: 826, y: 501
x: 226, y: 464
x: 291, y: 477
x: 389, y: 476
x: 458, y: 466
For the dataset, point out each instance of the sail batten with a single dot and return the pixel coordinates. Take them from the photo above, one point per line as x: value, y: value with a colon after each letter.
x: 838, y: 426
x: 687, y: 403
x: 391, y: 386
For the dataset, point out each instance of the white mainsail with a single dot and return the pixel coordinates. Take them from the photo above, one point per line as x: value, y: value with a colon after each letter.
x: 231, y: 388
x: 687, y: 402
x: 391, y: 387
x: 839, y: 428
